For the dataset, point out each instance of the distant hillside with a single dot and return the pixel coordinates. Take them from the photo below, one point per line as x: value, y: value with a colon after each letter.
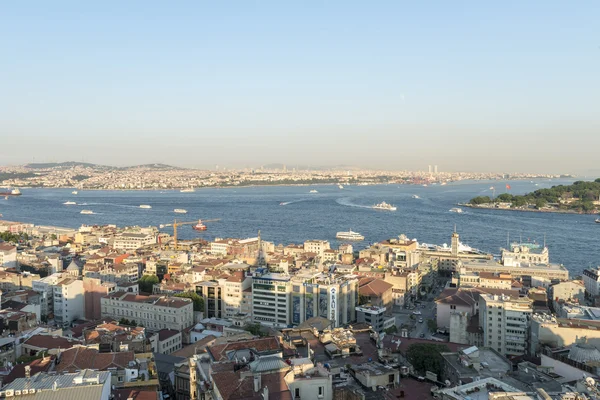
x: 309, y: 167
x: 67, y: 164
x: 152, y: 166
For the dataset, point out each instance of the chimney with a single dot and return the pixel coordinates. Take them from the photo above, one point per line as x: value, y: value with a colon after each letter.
x: 257, y: 383
x: 27, y: 371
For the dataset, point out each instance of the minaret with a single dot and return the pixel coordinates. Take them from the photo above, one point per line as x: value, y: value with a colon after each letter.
x: 454, y: 242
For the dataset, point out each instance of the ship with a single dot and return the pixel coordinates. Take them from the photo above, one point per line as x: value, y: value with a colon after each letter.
x: 14, y: 192
x: 188, y: 190
x: 69, y: 203
x: 350, y: 235
x: 74, y: 192
x: 145, y: 206
x: 199, y: 226
x: 415, y: 196
x: 457, y: 210
x: 88, y: 212
x: 384, y: 206
x: 180, y: 211
x: 313, y: 191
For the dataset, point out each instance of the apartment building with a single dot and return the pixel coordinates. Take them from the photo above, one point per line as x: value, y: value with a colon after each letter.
x: 153, y: 312
x: 45, y: 287
x: 403, y: 252
x: 213, y: 293
x: 132, y: 241
x: 233, y: 294
x: 68, y: 301
x: 8, y: 255
x: 505, y: 323
x: 591, y: 281
x: 488, y: 280
x: 570, y: 291
x: 374, y: 316
x: 94, y: 289
x: 317, y: 246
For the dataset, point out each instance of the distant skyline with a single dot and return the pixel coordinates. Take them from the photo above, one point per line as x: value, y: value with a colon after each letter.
x: 468, y: 86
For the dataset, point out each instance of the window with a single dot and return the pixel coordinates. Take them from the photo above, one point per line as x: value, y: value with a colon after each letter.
x: 391, y: 378
x: 321, y: 390
x: 297, y: 392
x: 453, y: 307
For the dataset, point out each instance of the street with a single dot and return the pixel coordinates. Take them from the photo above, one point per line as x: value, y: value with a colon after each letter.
x: 416, y: 329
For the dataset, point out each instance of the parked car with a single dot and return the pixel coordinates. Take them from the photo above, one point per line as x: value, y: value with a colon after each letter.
x: 420, y: 320
x: 417, y: 312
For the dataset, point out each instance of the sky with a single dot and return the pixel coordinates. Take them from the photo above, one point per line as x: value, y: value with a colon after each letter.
x: 468, y: 85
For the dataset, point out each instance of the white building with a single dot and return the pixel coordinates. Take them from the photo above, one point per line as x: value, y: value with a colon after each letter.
x: 68, y: 301
x: 591, y: 281
x: 233, y: 295
x: 271, y: 298
x: 8, y: 255
x: 133, y: 241
x: 505, y: 323
x: 525, y: 254
x: 374, y: 316
x: 169, y: 341
x: 317, y: 246
x: 154, y: 312
x: 45, y: 287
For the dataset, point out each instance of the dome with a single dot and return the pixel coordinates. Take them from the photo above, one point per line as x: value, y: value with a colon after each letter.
x: 584, y: 353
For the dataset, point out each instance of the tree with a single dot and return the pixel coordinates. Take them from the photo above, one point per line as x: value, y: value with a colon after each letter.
x: 124, y: 321
x: 53, y: 236
x: 505, y: 197
x: 426, y: 357
x: 195, y: 297
x: 480, y: 200
x: 391, y: 329
x: 432, y: 325
x: 540, y: 203
x: 362, y: 299
x: 146, y: 283
x: 254, y: 329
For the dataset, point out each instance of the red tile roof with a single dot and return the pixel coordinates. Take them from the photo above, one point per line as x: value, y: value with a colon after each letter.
x: 373, y: 287
x: 135, y: 394
x: 51, y: 342
x: 79, y: 358
x: 219, y: 352
x: 232, y: 386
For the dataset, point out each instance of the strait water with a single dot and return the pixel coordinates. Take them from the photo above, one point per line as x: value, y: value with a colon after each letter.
x: 572, y: 239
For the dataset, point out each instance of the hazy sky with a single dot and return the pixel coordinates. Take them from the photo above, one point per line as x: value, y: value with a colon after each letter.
x: 468, y: 85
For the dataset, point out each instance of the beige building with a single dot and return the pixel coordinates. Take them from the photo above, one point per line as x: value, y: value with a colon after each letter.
x: 546, y: 330
x: 505, y: 323
x: 317, y: 246
x: 548, y: 271
x: 153, y: 312
x: 233, y: 295
x: 133, y: 241
x: 525, y: 254
x: 68, y: 301
x: 483, y: 279
x: 8, y: 256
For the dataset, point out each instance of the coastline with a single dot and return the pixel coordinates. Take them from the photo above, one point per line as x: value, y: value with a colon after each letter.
x: 526, y: 209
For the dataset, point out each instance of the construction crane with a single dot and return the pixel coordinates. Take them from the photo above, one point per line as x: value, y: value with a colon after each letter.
x: 176, y: 223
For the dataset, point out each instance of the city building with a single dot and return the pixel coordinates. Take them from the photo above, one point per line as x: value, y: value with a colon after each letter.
x: 153, y: 312
x: 85, y: 384
x: 271, y: 298
x: 376, y: 292
x: 569, y: 291
x: 591, y: 281
x: 68, y: 301
x: 317, y: 246
x: 525, y: 271
x: 505, y: 323
x: 94, y: 289
x: 234, y: 289
x: 212, y: 292
x: 525, y: 254
x: 132, y: 241
x: 375, y: 316
x: 169, y: 341
x: 483, y: 279
x: 8, y: 255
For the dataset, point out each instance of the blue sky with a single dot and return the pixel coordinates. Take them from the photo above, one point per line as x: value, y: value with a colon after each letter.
x: 488, y: 86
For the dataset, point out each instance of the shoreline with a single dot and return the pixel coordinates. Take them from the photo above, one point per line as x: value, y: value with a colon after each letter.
x: 526, y: 209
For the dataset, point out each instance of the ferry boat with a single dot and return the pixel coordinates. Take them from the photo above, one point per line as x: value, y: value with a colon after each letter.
x: 69, y: 203
x: 74, y: 192
x: 313, y: 191
x: 384, y: 206
x: 180, y: 211
x: 14, y: 192
x: 199, y: 226
x: 145, y: 206
x: 457, y: 210
x: 188, y: 190
x: 415, y: 196
x: 88, y: 212
x: 350, y: 235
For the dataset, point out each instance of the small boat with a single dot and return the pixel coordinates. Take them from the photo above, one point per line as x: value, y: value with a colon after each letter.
x: 180, y: 211
x: 598, y: 220
x: 424, y: 185
x: 145, y: 206
x: 69, y: 203
x: 443, y: 183
x: 0, y: 215
x: 88, y: 212
x: 282, y: 204
x: 188, y: 190
x: 74, y: 192
x: 14, y: 192
x: 340, y: 186
x: 457, y: 210
x: 199, y: 226
x: 313, y: 191
x: 350, y: 235
x: 384, y: 206
x: 415, y: 196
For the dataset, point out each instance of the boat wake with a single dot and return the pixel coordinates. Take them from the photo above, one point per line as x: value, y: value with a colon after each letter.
x: 287, y: 203
x: 346, y: 201
x: 110, y: 204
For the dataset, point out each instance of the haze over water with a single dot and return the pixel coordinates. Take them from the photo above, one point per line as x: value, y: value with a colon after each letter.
x: 571, y: 239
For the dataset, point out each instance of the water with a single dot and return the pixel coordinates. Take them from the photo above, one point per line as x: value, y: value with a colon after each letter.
x: 571, y: 239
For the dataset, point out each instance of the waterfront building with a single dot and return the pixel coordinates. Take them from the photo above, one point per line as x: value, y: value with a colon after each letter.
x: 505, y: 323
x: 525, y: 254
x: 153, y: 312
x: 525, y: 271
x: 402, y: 251
x: 591, y: 281
x: 129, y: 241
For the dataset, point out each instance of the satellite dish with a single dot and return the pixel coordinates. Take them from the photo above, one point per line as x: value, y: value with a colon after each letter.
x: 590, y: 381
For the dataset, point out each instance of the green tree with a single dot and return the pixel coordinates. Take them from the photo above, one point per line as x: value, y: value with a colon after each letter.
x: 505, y: 197
x: 196, y: 298
x: 146, y: 283
x: 426, y: 357
x: 519, y: 201
x: 124, y: 321
x: 391, y: 329
x: 540, y: 203
x: 254, y: 329
x: 432, y: 325
x: 53, y: 236
x: 480, y: 200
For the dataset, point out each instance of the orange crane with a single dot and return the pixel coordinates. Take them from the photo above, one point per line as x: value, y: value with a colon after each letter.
x: 176, y: 223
